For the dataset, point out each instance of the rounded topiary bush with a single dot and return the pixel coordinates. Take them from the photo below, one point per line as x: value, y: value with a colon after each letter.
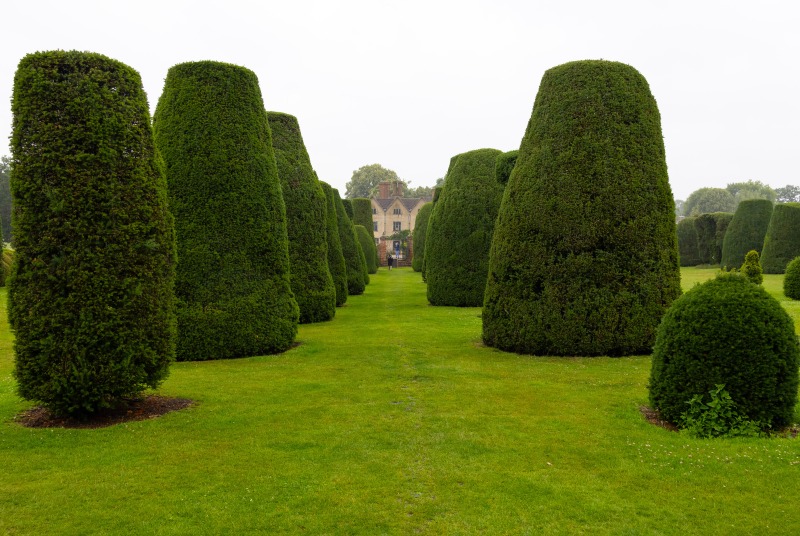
x: 751, y: 268
x: 732, y: 332
x: 420, y: 230
x: 746, y: 231
x: 362, y: 215
x: 354, y: 259
x: 782, y: 241
x: 232, y: 282
x: 306, y: 204
x: 505, y: 165
x: 336, y: 263
x: 574, y: 269
x: 91, y: 292
x: 687, y: 242
x: 791, y: 281
x: 457, y: 246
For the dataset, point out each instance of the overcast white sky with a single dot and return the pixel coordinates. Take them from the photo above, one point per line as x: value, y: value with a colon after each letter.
x: 410, y: 83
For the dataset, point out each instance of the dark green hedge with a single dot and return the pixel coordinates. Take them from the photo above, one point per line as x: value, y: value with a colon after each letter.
x: 362, y: 215
x: 687, y: 242
x: 306, y: 205
x: 782, y: 241
x: 791, y: 281
x: 354, y: 259
x: 368, y: 248
x: 91, y: 295
x: 420, y: 230
x: 336, y: 263
x: 585, y: 258
x: 232, y: 284
x: 711, y: 230
x: 457, y: 248
x: 732, y: 332
x: 505, y: 165
x: 348, y: 207
x: 746, y: 231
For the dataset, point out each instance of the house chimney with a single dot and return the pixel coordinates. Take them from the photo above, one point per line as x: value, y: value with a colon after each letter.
x: 383, y: 190
x: 398, y: 188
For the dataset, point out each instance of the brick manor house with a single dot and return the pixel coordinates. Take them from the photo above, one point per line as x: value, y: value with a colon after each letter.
x: 393, y: 214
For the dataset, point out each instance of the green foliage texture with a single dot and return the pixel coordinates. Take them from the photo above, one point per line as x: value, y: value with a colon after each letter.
x: 354, y: 259
x: 711, y: 229
x: 368, y: 248
x: 751, y: 268
x: 782, y: 241
x: 336, y: 262
x: 232, y: 284
x: 457, y: 246
x: 306, y: 205
x: 362, y: 215
x: 791, y: 281
x: 732, y: 332
x: 687, y: 242
x: 5, y: 199
x: 505, y: 165
x: 708, y: 200
x: 420, y: 230
x: 746, y: 231
x: 585, y: 257
x: 91, y: 294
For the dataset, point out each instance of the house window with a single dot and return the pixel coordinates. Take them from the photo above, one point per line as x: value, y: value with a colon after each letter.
x: 397, y: 211
x: 374, y: 210
x: 396, y: 226
x: 374, y: 227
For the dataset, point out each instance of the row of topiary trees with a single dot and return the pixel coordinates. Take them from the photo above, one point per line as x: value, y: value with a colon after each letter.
x: 102, y: 295
x: 725, y: 238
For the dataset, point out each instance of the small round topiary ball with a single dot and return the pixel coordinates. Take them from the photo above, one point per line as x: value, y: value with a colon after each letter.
x: 791, y: 281
x: 732, y: 332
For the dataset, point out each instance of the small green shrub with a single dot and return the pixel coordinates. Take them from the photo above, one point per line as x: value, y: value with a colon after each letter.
x: 751, y: 268
x: 717, y: 417
x: 791, y: 281
x: 727, y: 331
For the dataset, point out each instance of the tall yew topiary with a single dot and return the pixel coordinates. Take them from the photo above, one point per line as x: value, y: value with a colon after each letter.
x: 585, y: 259
x: 91, y: 297
x: 457, y: 248
x: 367, y: 244
x: 782, y: 241
x: 232, y: 283
x: 505, y: 165
x: 357, y: 277
x: 336, y: 263
x: 711, y: 229
x: 687, y: 242
x: 746, y: 231
x: 420, y: 229
x: 311, y: 279
x: 362, y: 215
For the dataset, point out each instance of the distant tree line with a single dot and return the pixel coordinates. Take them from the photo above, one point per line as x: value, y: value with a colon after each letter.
x: 708, y: 200
x: 365, y: 181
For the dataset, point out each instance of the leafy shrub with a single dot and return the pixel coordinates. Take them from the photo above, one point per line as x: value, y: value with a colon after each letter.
x: 306, y: 205
x: 751, y: 268
x: 727, y: 331
x: 782, y: 241
x: 91, y: 294
x: 336, y: 263
x: 791, y: 281
x: 457, y: 246
x: 420, y: 230
x: 687, y: 242
x: 362, y: 215
x: 354, y: 259
x: 717, y: 417
x: 746, y: 231
x: 573, y: 270
x: 232, y: 282
x: 711, y: 230
x: 505, y: 165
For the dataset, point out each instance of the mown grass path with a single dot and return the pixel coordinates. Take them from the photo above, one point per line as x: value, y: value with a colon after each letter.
x: 393, y: 419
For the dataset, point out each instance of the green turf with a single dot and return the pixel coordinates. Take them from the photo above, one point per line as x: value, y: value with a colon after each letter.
x: 394, y: 419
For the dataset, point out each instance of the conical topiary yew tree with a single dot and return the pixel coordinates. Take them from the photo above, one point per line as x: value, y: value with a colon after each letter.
x: 711, y: 229
x: 91, y: 298
x: 357, y: 277
x: 782, y: 241
x: 367, y: 244
x: 336, y: 262
x: 687, y: 242
x: 420, y: 230
x: 505, y: 165
x: 746, y: 231
x: 460, y: 233
x: 311, y: 279
x: 232, y: 282
x: 585, y: 259
x: 362, y: 215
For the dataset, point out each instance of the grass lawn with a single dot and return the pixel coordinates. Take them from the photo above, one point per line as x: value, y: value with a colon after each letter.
x: 394, y: 419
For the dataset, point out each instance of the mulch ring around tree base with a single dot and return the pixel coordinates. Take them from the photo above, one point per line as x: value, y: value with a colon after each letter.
x: 131, y: 409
